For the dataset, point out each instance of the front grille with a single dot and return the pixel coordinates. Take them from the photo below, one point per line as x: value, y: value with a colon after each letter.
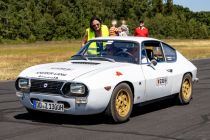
x: 44, y: 86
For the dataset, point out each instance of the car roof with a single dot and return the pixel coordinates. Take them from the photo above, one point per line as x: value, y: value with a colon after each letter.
x: 127, y: 38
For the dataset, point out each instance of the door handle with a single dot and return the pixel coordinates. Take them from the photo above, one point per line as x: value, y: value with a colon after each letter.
x: 169, y: 70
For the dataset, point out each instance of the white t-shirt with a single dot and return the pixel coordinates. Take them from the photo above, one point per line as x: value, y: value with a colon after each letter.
x: 123, y: 34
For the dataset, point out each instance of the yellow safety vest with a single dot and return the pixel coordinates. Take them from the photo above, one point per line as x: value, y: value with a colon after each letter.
x: 93, y: 47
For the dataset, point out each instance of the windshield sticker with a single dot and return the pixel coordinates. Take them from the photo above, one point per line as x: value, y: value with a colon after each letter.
x: 109, y: 42
x: 51, y: 73
x: 162, y: 81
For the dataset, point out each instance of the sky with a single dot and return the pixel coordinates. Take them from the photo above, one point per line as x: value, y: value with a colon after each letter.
x: 194, y: 5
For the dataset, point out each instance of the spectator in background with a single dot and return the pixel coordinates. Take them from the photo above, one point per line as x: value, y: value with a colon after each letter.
x: 114, y: 31
x: 141, y: 30
x: 124, y: 27
x: 123, y: 30
x: 96, y: 29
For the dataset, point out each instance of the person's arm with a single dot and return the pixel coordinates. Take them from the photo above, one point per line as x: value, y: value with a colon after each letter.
x: 135, y: 33
x: 84, y: 39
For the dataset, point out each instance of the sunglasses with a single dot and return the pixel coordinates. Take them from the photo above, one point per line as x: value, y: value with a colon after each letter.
x: 94, y: 25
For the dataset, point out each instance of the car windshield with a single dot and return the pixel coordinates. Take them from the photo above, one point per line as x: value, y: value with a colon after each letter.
x: 109, y: 50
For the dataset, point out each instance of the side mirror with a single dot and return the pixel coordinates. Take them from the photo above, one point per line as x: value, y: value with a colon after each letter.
x: 153, y: 62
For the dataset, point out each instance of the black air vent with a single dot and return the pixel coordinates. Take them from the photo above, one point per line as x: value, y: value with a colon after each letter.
x: 85, y: 63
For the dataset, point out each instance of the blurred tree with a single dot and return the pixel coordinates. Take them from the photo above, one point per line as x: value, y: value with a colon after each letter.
x: 169, y: 7
x: 66, y: 19
x: 157, y: 6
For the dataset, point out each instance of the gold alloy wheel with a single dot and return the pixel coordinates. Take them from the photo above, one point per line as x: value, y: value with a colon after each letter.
x: 186, y: 89
x: 123, y: 103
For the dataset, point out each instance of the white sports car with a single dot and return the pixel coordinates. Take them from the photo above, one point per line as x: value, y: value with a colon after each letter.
x: 110, y: 75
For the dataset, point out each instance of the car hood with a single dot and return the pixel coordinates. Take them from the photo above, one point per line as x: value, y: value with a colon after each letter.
x: 66, y: 70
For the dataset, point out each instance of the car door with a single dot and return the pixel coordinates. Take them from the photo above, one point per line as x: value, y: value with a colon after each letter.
x: 159, y: 77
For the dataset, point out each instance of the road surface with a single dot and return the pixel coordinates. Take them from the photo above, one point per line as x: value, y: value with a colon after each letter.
x: 163, y: 120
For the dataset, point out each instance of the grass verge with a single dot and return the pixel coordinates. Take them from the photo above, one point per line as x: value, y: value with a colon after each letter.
x: 15, y: 58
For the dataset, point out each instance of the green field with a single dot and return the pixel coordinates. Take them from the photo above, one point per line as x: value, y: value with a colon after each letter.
x: 15, y: 58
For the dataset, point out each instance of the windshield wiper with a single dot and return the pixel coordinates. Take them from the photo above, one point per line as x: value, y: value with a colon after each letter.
x: 103, y: 58
x: 79, y: 56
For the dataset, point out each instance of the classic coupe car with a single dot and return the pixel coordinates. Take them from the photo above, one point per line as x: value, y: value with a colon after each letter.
x: 108, y: 75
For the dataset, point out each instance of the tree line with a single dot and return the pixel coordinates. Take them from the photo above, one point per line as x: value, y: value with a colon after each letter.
x: 34, y: 20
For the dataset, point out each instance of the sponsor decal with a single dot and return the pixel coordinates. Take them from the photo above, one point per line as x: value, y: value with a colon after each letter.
x: 64, y: 69
x: 51, y: 73
x: 161, y: 81
x: 48, y: 77
x: 118, y: 73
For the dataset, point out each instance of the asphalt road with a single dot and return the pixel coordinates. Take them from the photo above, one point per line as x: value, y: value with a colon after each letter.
x: 163, y: 120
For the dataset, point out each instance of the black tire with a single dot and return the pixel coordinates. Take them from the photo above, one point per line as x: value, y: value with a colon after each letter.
x: 185, y: 94
x: 121, y: 103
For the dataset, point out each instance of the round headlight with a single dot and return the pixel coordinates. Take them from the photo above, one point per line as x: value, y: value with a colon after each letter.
x: 23, y: 84
x: 77, y: 88
x: 74, y: 89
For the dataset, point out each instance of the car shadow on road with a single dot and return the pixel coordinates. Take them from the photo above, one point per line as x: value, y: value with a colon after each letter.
x: 60, y: 119
x: 152, y: 107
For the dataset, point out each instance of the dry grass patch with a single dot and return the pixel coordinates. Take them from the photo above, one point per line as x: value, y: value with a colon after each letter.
x: 192, y: 49
x: 15, y: 58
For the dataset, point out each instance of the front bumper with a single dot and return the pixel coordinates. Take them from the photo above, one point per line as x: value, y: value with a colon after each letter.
x: 95, y: 103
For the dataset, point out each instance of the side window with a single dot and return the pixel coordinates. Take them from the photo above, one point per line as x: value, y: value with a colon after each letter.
x: 170, y: 53
x: 154, y: 50
x: 144, y: 58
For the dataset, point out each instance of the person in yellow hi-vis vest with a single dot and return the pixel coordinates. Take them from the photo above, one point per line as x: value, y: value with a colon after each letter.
x: 96, y: 29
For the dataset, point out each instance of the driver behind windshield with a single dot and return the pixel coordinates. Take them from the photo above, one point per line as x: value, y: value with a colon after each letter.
x: 111, y: 50
x: 134, y: 52
x: 120, y: 51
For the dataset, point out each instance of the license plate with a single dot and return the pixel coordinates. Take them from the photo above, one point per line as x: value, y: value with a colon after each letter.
x: 48, y: 106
